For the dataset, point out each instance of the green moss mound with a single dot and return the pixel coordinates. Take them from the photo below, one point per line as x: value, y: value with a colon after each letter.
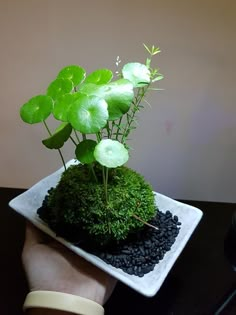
x: 78, y: 203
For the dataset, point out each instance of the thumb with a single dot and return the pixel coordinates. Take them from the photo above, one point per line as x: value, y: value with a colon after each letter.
x: 33, y: 235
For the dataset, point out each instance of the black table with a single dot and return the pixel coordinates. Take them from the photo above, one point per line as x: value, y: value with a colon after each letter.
x: 199, y: 282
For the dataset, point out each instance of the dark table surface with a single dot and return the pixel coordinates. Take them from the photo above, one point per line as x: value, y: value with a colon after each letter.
x: 199, y: 282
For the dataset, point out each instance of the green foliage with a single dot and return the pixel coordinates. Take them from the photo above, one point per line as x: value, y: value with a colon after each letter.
x: 73, y: 73
x: 100, y: 76
x: 118, y: 95
x: 84, y: 151
x: 137, y: 73
x: 111, y: 153
x: 78, y: 202
x: 95, y: 104
x: 60, y: 136
x: 100, y: 196
x: 88, y: 113
x: 37, y: 109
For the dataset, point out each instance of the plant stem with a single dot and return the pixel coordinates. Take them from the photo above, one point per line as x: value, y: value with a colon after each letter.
x: 46, y: 126
x: 91, y: 167
x: 63, y: 161
x: 76, y: 135
x: 98, y: 135
x: 73, y: 141
x: 59, y: 151
x: 105, y: 181
x: 130, y: 117
x: 118, y: 128
x: 144, y: 222
x: 108, y: 130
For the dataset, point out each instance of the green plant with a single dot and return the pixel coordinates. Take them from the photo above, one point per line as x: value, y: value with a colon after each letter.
x: 76, y: 205
x: 94, y: 106
x: 97, y: 113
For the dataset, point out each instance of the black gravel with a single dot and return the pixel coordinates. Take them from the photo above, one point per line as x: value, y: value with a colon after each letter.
x: 139, y: 254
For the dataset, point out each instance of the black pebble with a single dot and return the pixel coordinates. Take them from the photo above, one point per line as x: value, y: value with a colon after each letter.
x: 139, y: 256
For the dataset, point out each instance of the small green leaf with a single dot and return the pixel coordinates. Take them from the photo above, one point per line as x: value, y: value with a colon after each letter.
x: 148, y: 62
x: 148, y: 50
x: 37, y: 109
x: 101, y: 76
x: 137, y: 73
x: 74, y: 73
x: 88, y: 114
x: 60, y: 136
x: 59, y: 87
x: 111, y: 153
x: 118, y: 95
x: 62, y: 105
x: 158, y: 78
x: 85, y: 151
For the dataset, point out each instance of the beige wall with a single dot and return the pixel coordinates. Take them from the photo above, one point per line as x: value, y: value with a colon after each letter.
x: 185, y: 145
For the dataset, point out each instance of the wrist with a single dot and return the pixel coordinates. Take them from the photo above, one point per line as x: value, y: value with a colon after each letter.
x: 44, y: 311
x: 52, y: 303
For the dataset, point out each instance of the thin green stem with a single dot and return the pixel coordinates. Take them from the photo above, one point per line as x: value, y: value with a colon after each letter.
x: 135, y: 108
x: 73, y: 141
x: 112, y: 127
x: 59, y: 151
x: 91, y: 167
x: 105, y: 181
x: 98, y: 136
x: 76, y: 135
x: 63, y: 161
x: 118, y: 128
x: 46, y: 126
x: 108, y: 130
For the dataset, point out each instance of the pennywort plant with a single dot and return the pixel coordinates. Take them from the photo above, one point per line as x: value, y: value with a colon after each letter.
x: 96, y: 111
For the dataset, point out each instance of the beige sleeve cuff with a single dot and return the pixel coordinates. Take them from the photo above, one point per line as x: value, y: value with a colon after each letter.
x: 62, y: 302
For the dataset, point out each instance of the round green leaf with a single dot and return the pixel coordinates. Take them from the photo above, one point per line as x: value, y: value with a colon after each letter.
x: 137, y: 73
x: 62, y: 105
x: 88, y: 114
x: 84, y: 151
x: 37, y: 109
x: 60, y: 136
x: 74, y: 73
x: 100, y: 76
x: 111, y: 153
x: 118, y: 95
x: 59, y: 87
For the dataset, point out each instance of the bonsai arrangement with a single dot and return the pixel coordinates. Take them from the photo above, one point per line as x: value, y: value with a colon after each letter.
x: 99, y: 203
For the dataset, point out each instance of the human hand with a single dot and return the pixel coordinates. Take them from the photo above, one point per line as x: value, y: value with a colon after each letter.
x: 51, y: 266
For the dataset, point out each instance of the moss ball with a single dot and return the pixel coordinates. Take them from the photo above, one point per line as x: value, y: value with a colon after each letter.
x: 78, y: 204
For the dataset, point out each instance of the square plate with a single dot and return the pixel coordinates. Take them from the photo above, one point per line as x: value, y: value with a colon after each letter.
x: 27, y: 204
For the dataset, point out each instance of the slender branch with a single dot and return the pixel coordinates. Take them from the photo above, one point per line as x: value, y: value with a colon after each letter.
x: 59, y: 151
x: 46, y: 126
x: 63, y: 161
x: 108, y: 130
x: 98, y: 135
x: 105, y: 181
x: 76, y: 135
x: 91, y: 167
x: 73, y: 141
x: 118, y: 128
x: 136, y: 106
x: 144, y: 222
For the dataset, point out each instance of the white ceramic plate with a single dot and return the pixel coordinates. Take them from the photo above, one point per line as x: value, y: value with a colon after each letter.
x: 27, y: 204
